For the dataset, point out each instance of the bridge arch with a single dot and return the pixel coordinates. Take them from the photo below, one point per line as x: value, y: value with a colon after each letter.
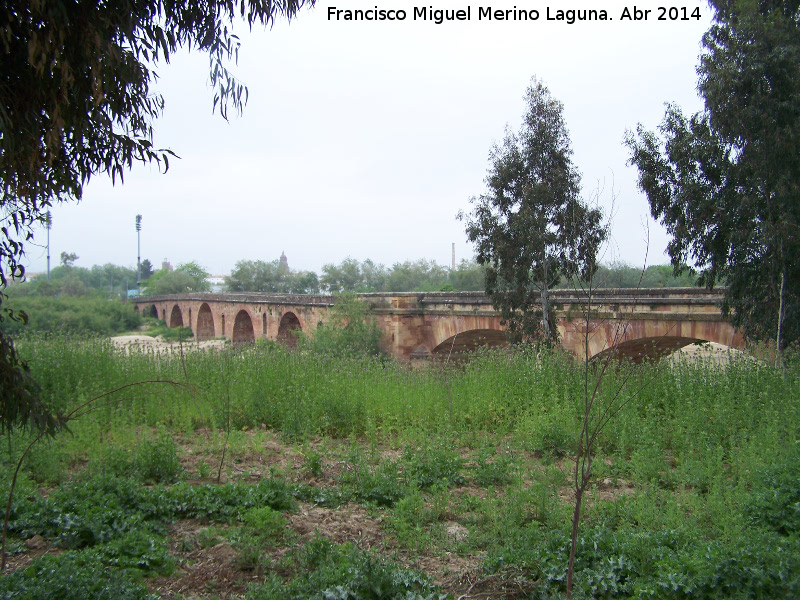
x: 464, y: 332
x: 466, y: 341
x: 646, y: 348
x: 176, y: 317
x: 205, y: 323
x: 645, y: 340
x: 288, y: 329
x: 243, y: 331
x: 150, y: 311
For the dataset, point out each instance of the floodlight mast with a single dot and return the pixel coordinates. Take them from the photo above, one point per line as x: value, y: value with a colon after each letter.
x: 139, y: 255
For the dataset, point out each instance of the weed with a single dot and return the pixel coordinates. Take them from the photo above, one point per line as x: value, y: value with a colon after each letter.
x: 428, y: 466
x: 71, y: 576
x: 493, y: 469
x: 325, y: 570
x: 203, y: 469
x: 156, y: 461
x: 312, y: 462
x: 264, y: 522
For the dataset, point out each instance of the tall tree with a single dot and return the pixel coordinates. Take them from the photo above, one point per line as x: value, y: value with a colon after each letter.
x: 146, y: 269
x: 75, y: 101
x: 187, y: 277
x: 531, y: 228
x: 261, y: 276
x: 344, y: 277
x: 725, y: 182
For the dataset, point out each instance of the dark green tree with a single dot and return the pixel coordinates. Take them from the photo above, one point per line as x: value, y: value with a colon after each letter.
x: 531, y: 229
x: 419, y: 276
x: 467, y: 277
x: 76, y: 101
x: 261, y: 276
x: 725, y: 182
x: 186, y: 278
x: 146, y: 269
x: 344, y: 277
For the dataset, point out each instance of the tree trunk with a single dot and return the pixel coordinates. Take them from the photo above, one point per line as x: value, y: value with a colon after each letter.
x: 576, y: 519
x: 781, y: 316
x: 545, y: 297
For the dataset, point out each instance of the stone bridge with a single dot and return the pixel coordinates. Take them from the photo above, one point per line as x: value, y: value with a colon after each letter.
x: 632, y: 323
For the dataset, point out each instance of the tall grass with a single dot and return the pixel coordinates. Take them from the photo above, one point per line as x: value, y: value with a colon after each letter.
x: 689, y: 415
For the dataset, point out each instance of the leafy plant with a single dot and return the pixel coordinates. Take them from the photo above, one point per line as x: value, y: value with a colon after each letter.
x: 71, y: 576
x: 331, y: 572
x: 156, y: 461
x: 494, y: 469
x: 426, y: 467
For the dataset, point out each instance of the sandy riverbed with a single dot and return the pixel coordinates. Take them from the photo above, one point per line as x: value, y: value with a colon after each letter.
x: 145, y: 341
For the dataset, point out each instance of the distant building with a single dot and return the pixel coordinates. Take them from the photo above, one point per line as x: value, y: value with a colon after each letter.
x: 165, y: 265
x: 283, y: 262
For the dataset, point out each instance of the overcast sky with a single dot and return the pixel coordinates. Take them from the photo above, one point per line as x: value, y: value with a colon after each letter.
x: 365, y: 139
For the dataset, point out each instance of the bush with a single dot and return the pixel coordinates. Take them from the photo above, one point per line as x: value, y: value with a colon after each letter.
x: 348, y: 332
x: 430, y: 466
x: 157, y: 461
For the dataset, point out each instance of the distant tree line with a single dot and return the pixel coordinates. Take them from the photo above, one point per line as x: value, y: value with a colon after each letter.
x: 112, y: 281
x: 351, y: 275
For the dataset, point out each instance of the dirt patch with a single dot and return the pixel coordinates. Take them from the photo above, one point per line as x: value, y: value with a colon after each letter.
x: 350, y: 523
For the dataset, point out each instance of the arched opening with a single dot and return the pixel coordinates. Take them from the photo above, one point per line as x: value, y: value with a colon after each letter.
x: 468, y: 341
x: 243, y: 328
x: 646, y: 348
x: 205, y: 323
x: 288, y: 329
x: 152, y: 312
x: 264, y: 324
x: 176, y: 317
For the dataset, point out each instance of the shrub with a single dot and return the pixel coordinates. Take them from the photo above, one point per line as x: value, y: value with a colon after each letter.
x: 429, y: 466
x: 157, y: 461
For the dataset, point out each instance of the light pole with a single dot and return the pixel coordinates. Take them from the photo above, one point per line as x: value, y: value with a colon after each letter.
x: 48, y: 224
x: 139, y: 255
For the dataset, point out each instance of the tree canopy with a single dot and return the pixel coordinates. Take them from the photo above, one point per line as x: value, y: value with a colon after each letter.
x: 725, y: 182
x: 187, y: 277
x: 261, y: 276
x: 531, y: 229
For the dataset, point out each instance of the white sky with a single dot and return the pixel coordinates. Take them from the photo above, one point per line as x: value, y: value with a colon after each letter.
x: 365, y: 139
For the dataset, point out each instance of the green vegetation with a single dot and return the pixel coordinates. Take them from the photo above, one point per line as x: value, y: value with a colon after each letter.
x: 186, y: 277
x: 532, y: 229
x: 348, y: 332
x: 725, y: 181
x: 71, y: 315
x: 260, y: 276
x: 694, y: 494
x: 106, y: 281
